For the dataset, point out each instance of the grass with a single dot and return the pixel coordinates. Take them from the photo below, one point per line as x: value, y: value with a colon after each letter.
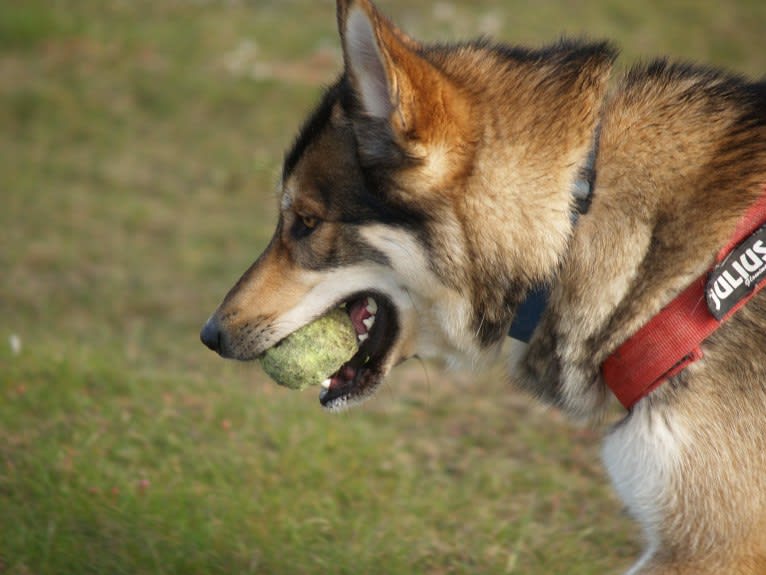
x: 139, y: 148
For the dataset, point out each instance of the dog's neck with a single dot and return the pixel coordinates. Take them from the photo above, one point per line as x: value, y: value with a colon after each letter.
x: 655, y: 224
x: 531, y: 309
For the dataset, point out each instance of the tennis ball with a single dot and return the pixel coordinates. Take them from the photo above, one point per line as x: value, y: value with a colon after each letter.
x: 313, y: 353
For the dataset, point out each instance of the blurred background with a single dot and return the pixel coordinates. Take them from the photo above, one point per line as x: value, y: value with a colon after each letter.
x: 140, y: 147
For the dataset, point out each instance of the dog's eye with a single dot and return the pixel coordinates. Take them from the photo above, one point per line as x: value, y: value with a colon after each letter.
x: 304, y: 225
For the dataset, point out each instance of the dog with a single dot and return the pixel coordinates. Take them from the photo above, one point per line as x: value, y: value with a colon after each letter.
x: 435, y: 187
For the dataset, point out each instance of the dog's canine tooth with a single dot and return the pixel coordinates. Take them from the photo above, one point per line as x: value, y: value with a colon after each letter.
x: 369, y: 322
x: 326, y: 383
x: 362, y: 337
x: 372, y: 306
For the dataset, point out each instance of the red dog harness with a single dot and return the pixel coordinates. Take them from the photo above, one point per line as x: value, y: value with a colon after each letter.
x: 671, y: 340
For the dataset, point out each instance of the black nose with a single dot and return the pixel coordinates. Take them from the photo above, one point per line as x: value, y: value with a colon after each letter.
x: 211, y: 335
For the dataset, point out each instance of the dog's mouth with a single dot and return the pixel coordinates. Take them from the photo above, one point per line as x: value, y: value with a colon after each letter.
x: 375, y: 320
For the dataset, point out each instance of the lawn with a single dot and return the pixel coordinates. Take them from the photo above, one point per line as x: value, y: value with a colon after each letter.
x: 140, y: 147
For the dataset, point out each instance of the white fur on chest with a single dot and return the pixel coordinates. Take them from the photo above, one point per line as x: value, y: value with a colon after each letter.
x: 643, y: 456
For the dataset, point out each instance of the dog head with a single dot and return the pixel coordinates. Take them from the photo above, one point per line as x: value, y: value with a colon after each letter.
x: 428, y: 190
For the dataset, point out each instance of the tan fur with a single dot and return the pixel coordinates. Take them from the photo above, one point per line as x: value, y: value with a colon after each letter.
x: 271, y: 285
x: 468, y: 155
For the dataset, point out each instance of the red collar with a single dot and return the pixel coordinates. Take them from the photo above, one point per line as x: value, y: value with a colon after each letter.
x: 671, y: 340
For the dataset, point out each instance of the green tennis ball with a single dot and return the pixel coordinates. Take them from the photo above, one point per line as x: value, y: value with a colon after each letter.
x: 313, y: 353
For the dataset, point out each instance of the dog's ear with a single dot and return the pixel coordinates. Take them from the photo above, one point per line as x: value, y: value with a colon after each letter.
x: 400, y: 96
x: 369, y: 65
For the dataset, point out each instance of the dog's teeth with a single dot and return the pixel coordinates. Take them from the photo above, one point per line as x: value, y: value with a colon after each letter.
x: 372, y: 306
x: 326, y: 383
x: 362, y: 337
x: 369, y: 321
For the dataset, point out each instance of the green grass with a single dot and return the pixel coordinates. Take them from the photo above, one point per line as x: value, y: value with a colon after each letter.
x: 140, y: 144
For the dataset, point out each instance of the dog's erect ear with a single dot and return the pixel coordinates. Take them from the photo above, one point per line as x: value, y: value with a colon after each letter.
x: 394, y: 85
x: 368, y: 60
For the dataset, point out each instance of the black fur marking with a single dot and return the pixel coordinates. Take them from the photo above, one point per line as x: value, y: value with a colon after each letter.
x: 363, y: 193
x: 565, y: 50
x: 567, y: 53
x: 711, y: 84
x: 355, y: 193
x: 313, y: 126
x: 568, y: 56
x: 377, y: 145
x: 495, y: 311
